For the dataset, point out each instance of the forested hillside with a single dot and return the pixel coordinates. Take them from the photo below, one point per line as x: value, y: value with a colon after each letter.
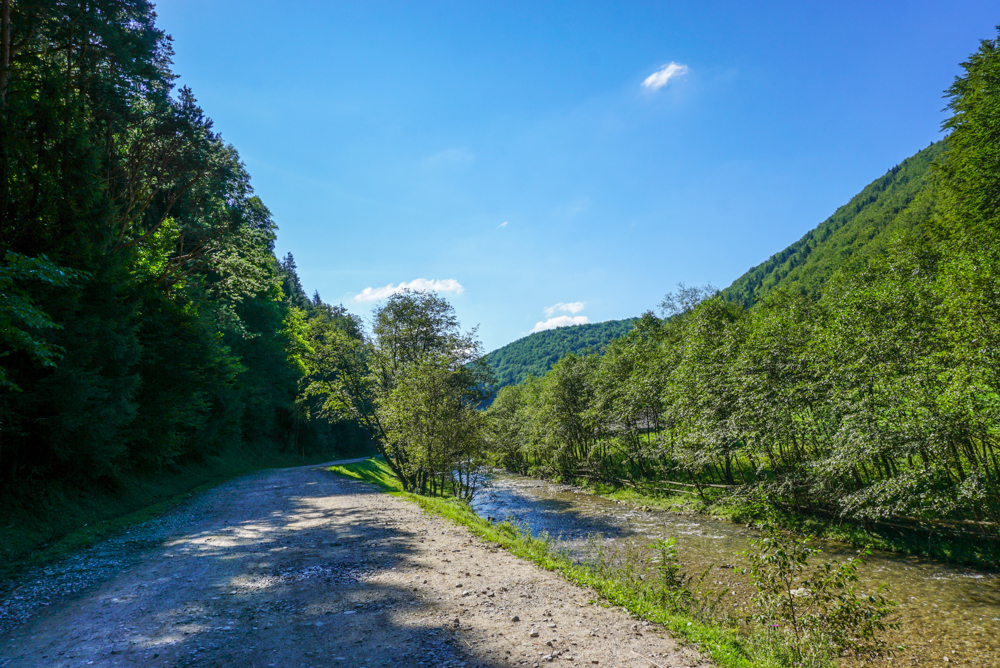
x: 536, y: 353
x: 897, y: 202
x: 863, y: 382
x: 146, y: 327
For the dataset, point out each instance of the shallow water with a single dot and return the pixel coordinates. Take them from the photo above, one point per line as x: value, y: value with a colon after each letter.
x: 946, y: 611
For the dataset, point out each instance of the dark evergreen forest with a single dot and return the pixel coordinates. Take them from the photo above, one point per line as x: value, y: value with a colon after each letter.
x: 146, y: 326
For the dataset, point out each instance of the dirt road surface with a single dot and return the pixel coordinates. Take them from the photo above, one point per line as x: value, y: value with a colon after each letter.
x: 302, y: 568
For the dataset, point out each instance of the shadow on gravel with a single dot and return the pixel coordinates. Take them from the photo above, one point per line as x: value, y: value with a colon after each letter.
x: 281, y: 572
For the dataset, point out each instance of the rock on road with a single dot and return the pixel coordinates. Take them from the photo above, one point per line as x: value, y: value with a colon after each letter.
x: 300, y: 567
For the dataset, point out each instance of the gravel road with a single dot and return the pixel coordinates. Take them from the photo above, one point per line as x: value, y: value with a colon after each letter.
x: 300, y: 567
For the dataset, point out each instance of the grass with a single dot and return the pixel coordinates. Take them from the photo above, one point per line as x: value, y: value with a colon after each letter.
x: 43, y: 523
x: 373, y: 470
x: 722, y: 643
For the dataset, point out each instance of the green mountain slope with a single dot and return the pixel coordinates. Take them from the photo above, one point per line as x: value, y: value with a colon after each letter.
x: 897, y: 201
x: 536, y: 353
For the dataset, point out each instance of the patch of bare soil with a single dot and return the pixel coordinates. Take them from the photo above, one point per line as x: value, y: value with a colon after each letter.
x: 299, y: 567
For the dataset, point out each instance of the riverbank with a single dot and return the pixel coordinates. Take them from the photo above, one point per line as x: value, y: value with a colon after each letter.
x: 945, y: 610
x: 965, y: 550
x: 698, y: 619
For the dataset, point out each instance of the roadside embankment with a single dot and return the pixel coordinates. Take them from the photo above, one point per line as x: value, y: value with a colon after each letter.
x: 46, y: 521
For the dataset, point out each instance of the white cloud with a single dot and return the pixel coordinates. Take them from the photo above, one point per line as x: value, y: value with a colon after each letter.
x: 571, y: 307
x: 503, y: 224
x: 419, y: 284
x: 662, y: 76
x: 560, y: 321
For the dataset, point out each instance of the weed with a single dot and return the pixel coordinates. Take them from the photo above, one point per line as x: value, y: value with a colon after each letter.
x: 815, y: 606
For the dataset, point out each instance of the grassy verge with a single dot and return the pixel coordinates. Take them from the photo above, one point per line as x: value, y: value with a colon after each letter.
x: 723, y: 644
x: 373, y: 470
x: 46, y: 523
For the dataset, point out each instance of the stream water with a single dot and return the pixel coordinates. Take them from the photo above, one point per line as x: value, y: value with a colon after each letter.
x: 950, y: 614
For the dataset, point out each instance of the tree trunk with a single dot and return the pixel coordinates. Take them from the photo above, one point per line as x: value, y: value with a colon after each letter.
x: 5, y: 49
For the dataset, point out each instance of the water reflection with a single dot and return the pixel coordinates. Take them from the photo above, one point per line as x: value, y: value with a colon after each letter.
x: 946, y: 611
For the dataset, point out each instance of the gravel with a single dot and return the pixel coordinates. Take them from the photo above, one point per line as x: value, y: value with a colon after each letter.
x: 299, y: 567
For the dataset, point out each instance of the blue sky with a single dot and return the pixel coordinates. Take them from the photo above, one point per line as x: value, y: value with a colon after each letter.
x: 510, y: 155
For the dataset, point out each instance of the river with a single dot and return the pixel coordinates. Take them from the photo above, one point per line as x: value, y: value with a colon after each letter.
x: 945, y: 610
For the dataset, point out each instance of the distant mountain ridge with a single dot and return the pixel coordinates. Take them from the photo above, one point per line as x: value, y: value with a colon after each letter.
x: 896, y: 202
x: 536, y: 353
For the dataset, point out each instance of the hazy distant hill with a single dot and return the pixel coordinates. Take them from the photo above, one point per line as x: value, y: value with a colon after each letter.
x: 536, y: 353
x: 897, y: 201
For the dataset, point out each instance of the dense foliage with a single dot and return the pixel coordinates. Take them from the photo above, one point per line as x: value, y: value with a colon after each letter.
x: 414, y: 382
x: 536, y: 353
x: 145, y: 323
x: 877, y: 400
x: 893, y: 204
x: 896, y: 203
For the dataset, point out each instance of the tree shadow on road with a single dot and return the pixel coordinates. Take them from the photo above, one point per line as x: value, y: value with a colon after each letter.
x: 282, y: 569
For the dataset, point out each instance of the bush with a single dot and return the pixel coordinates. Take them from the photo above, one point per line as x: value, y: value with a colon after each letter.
x: 814, y: 607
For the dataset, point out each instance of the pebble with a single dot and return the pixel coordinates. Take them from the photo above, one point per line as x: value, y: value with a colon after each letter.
x: 437, y: 654
x: 39, y: 587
